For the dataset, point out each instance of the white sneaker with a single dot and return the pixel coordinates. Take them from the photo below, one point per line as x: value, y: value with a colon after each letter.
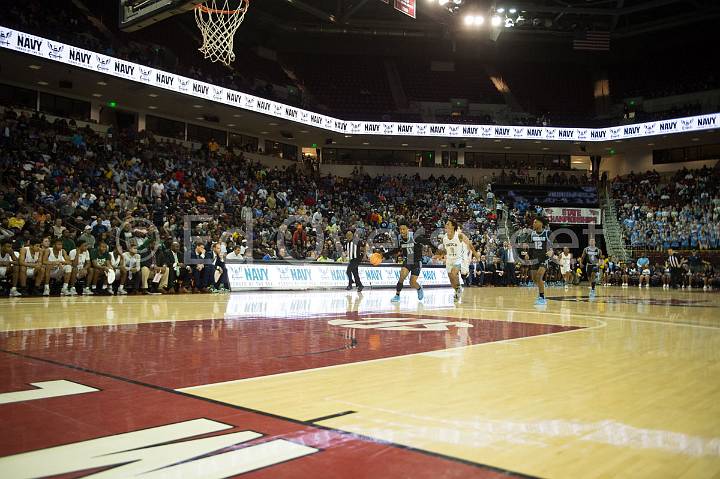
x: 690, y: 286
x: 704, y: 288
x: 72, y: 291
x: 639, y: 285
x: 64, y: 292
x: 110, y: 291
x: 87, y: 292
x: 121, y: 291
x: 14, y: 293
x: 647, y: 285
x: 683, y: 286
x: 46, y: 291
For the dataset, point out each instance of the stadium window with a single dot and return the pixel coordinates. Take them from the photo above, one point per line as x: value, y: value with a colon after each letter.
x: 18, y: 97
x: 203, y: 134
x: 65, y: 107
x: 244, y: 142
x: 281, y: 150
x: 165, y: 127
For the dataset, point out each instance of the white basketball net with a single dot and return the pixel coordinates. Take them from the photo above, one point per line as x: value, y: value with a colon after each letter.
x: 218, y: 21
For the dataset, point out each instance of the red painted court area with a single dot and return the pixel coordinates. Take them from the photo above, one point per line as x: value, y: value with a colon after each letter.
x: 190, y: 353
x: 134, y: 422
x: 121, y: 406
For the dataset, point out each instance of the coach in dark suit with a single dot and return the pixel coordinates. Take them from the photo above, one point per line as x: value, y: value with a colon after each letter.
x: 202, y: 269
x: 508, y: 256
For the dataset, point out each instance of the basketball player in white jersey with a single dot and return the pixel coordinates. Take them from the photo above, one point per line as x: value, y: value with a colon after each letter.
x: 81, y: 267
x: 466, y: 258
x: 8, y: 266
x: 566, y: 267
x: 453, y: 242
x: 56, y: 267
x: 30, y: 263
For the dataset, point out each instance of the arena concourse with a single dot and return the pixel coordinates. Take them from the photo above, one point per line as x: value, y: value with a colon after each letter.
x: 439, y: 239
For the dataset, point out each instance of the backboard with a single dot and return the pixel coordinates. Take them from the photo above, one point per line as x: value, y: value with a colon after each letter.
x: 137, y: 14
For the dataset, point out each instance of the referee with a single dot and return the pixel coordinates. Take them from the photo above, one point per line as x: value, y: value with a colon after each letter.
x: 354, y: 251
x: 675, y: 264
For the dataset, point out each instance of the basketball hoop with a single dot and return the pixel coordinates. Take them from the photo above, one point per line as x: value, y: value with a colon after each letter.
x: 218, y: 23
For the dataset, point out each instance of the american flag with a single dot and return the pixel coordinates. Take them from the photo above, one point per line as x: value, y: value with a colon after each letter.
x: 592, y: 40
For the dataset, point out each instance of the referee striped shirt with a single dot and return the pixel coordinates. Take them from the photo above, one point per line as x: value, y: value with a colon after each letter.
x: 673, y: 261
x: 351, y: 250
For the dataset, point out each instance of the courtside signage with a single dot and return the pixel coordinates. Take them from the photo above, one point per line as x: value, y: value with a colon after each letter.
x: 78, y: 57
x: 321, y: 276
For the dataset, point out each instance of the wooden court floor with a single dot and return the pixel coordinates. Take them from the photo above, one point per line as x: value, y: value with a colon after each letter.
x: 336, y: 384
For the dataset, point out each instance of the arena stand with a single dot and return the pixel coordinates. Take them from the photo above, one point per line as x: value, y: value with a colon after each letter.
x: 57, y: 175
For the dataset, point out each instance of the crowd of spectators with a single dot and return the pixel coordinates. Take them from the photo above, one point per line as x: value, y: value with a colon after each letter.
x: 680, y: 211
x: 61, y: 181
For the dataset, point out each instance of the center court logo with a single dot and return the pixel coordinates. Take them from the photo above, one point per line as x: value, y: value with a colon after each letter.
x: 400, y: 324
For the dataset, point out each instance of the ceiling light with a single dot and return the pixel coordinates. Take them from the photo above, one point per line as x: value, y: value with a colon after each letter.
x: 507, y: 147
x: 303, y: 131
x: 651, y: 144
x: 694, y: 139
x: 497, y: 141
x: 348, y: 136
x: 404, y: 144
x: 443, y: 2
x: 537, y: 141
x: 272, y: 123
x: 237, y: 115
x: 152, y: 107
x: 153, y: 95
x: 34, y: 67
x: 500, y: 10
x: 263, y: 132
x: 43, y: 83
x: 469, y: 20
x: 102, y: 83
x: 97, y: 95
x: 545, y: 148
x: 197, y: 106
x: 468, y: 146
x: 457, y: 2
x: 231, y: 124
x: 479, y: 20
x: 199, y: 118
x: 495, y: 21
x: 513, y: 11
x: 443, y: 146
x: 365, y: 143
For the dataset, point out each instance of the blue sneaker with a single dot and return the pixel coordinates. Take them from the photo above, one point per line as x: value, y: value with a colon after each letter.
x: 540, y: 301
x: 395, y: 299
x: 592, y: 294
x: 421, y: 294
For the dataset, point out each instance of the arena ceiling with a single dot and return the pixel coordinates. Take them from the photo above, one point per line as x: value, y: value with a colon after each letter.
x: 624, y: 18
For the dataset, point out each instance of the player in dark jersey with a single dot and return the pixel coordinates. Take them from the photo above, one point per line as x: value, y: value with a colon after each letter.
x: 590, y: 258
x: 539, y: 253
x: 410, y: 247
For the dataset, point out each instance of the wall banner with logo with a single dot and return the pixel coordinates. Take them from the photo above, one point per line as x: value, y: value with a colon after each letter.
x: 574, y: 216
x: 59, y: 52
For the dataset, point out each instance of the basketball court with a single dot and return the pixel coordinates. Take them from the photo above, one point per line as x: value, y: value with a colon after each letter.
x: 290, y: 376
x: 332, y: 384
